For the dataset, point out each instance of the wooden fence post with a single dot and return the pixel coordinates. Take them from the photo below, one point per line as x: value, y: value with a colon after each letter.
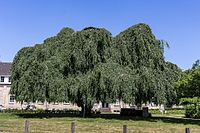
x: 26, y: 126
x: 125, y: 129
x: 73, y: 124
x: 187, y: 130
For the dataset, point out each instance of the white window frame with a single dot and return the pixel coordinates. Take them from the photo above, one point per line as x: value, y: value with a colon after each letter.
x: 2, y: 77
x: 13, y: 99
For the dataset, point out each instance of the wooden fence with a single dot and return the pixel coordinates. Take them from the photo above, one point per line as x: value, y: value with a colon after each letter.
x: 73, y: 128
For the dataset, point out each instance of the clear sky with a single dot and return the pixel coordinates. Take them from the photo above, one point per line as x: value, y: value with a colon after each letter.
x: 29, y: 22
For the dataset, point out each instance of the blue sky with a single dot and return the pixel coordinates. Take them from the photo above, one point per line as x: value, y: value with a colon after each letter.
x: 28, y: 22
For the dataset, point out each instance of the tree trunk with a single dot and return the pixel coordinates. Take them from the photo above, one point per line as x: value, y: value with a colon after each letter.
x: 86, y: 110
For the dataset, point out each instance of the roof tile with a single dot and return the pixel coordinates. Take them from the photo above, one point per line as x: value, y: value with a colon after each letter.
x: 5, y: 68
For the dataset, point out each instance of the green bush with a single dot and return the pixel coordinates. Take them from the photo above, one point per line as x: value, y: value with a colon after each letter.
x: 13, y: 111
x: 192, y: 107
x: 177, y: 111
x: 39, y: 111
x: 190, y: 111
x: 42, y: 111
x: 198, y: 111
x: 169, y: 111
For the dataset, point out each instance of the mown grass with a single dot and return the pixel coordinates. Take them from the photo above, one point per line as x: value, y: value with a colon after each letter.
x: 168, y: 112
x: 106, y: 123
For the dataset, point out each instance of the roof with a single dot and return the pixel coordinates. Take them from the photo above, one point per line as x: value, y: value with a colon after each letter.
x: 5, y: 68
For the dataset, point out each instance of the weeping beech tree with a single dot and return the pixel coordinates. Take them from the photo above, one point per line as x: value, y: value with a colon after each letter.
x: 90, y: 66
x: 138, y: 49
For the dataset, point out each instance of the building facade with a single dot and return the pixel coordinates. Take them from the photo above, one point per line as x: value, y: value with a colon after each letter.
x: 6, y: 100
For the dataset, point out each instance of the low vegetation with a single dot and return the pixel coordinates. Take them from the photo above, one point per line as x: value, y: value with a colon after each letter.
x: 106, y: 123
x: 192, y: 107
x: 168, y: 112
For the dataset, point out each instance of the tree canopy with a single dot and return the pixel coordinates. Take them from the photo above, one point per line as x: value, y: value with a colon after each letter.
x: 90, y: 65
x: 189, y: 83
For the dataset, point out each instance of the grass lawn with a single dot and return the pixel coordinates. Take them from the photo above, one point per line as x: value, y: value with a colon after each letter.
x: 108, y: 123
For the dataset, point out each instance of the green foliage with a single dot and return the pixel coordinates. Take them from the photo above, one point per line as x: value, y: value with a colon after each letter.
x: 198, y: 111
x: 41, y: 113
x: 138, y: 49
x: 196, y: 65
x: 185, y: 101
x: 192, y: 111
x: 192, y: 108
x: 90, y: 65
x: 189, y: 84
x: 168, y: 111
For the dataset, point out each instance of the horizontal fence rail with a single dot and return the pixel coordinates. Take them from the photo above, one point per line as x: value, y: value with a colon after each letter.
x: 73, y: 127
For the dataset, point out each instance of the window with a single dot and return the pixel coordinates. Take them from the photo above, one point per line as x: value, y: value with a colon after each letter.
x: 105, y: 105
x: 2, y: 78
x: 12, y: 99
x: 9, y: 79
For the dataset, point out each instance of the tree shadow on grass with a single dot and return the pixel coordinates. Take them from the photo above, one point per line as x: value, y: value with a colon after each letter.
x: 164, y: 119
x: 47, y: 115
x: 174, y: 120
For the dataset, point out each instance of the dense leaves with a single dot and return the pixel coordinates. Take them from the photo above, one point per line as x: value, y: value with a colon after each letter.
x: 138, y: 49
x: 189, y: 84
x: 90, y: 66
x: 192, y: 108
x: 188, y: 88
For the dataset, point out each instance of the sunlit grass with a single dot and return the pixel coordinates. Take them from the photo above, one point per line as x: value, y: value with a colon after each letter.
x: 13, y: 124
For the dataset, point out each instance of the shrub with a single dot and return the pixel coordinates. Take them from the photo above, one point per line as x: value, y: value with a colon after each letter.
x: 177, y: 111
x: 192, y: 108
x: 13, y: 111
x: 191, y: 111
x: 39, y: 111
x: 198, y: 111
x: 186, y: 101
x: 169, y: 111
